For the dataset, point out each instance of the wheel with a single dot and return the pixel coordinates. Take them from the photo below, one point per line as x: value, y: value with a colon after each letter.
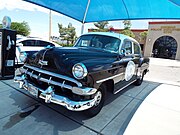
x: 140, y: 80
x: 101, y: 94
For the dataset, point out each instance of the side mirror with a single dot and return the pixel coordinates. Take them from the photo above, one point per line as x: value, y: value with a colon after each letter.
x: 122, y: 53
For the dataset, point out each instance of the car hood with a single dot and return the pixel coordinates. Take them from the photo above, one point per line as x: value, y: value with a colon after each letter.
x: 61, y: 60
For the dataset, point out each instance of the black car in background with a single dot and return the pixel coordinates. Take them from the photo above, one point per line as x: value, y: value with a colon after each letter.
x: 79, y: 77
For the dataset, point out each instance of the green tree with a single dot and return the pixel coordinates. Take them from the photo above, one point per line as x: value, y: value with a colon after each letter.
x: 143, y: 35
x: 67, y: 33
x: 127, y: 24
x: 102, y: 26
x: 127, y: 31
x: 21, y: 28
x: 71, y: 33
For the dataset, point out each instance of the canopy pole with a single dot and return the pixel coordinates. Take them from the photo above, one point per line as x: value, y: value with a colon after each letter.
x: 83, y: 22
x: 50, y: 23
x: 82, y: 28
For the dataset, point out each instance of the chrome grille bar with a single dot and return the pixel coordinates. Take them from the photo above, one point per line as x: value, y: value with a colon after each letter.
x: 49, y: 81
x: 53, y: 75
x: 36, y: 73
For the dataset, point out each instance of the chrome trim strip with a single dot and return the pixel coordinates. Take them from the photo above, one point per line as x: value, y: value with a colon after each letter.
x: 54, y: 74
x: 124, y: 87
x: 102, y: 80
x: 50, y: 82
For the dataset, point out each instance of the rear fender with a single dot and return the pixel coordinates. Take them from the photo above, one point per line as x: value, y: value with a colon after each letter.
x: 144, y: 64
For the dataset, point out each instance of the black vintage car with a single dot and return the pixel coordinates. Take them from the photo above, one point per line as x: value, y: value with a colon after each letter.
x: 78, y: 77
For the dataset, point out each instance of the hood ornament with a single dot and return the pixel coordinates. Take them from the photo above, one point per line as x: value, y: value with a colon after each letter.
x: 43, y: 62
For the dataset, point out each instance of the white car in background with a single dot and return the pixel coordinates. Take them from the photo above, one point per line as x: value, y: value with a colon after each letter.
x: 27, y: 46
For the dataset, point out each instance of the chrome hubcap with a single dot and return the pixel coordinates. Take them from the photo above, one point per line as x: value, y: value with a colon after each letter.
x: 98, y: 99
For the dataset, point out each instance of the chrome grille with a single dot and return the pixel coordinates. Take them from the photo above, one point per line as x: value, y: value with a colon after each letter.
x: 50, y: 77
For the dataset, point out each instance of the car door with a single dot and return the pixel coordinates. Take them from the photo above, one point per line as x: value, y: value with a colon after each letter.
x: 128, y: 62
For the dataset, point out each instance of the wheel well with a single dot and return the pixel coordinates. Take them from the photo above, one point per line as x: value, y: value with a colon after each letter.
x: 110, y: 85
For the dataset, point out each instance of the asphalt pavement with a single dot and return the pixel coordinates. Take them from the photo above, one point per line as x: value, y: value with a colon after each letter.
x: 21, y: 113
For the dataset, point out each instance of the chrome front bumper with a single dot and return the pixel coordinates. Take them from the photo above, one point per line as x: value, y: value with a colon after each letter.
x: 49, y: 96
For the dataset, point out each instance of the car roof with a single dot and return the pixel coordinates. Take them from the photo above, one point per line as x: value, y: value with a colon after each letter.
x: 28, y: 38
x: 112, y: 34
x: 31, y: 38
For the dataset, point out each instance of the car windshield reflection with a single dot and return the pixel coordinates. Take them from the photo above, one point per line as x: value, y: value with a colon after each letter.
x: 106, y: 43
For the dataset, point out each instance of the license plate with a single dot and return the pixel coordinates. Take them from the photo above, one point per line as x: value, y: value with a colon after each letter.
x: 33, y: 90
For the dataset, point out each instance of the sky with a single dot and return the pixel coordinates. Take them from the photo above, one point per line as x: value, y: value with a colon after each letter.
x: 38, y: 19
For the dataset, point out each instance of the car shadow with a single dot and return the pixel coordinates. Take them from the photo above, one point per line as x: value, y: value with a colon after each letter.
x: 133, y: 91
x: 35, y: 114
x: 114, y: 106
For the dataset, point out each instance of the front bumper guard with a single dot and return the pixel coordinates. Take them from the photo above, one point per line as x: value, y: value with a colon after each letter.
x: 49, y: 96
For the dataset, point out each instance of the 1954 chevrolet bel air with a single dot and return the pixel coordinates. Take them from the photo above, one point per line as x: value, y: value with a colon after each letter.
x: 79, y: 77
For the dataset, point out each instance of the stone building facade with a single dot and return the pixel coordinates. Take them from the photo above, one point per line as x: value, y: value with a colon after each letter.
x: 163, y: 40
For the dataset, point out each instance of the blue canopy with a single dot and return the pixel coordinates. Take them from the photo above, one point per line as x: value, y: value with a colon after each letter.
x: 100, y: 10
x: 176, y: 2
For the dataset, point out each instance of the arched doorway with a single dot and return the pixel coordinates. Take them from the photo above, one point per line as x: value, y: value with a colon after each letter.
x: 165, y: 47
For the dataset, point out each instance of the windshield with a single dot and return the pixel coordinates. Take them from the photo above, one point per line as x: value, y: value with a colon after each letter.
x: 106, y: 43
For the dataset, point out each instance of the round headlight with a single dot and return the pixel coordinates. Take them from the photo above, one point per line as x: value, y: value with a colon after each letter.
x: 23, y: 56
x: 79, y: 71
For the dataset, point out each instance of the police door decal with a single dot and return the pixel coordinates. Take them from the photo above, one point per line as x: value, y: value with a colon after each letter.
x: 130, y: 69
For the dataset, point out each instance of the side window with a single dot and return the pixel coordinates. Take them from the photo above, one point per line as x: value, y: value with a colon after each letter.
x: 29, y: 42
x: 44, y: 44
x: 127, y: 46
x: 137, y: 49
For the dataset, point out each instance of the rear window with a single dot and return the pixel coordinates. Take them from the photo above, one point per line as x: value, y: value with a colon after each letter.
x: 44, y: 44
x: 137, y: 49
x: 37, y: 43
